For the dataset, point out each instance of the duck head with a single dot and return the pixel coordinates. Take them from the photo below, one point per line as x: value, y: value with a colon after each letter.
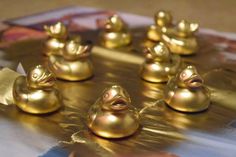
x: 115, y: 99
x: 115, y: 24
x: 159, y: 53
x: 186, y: 29
x: 57, y: 30
x: 189, y: 78
x: 75, y: 50
x: 40, y: 77
x: 163, y: 18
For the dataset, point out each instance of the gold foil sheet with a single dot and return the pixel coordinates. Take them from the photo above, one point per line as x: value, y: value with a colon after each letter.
x: 162, y: 128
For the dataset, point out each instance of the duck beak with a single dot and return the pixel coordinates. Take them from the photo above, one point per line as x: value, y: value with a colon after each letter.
x: 119, y: 104
x: 147, y: 52
x: 48, y: 81
x: 195, y: 81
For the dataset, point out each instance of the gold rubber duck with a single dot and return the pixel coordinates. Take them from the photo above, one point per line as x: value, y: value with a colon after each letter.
x: 186, y: 92
x: 58, y: 34
x: 35, y: 93
x: 74, y: 63
x: 163, y: 22
x: 112, y: 115
x: 160, y: 64
x: 115, y: 33
x: 182, y: 40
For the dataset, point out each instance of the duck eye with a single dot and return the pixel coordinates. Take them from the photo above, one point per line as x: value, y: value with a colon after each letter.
x: 186, y: 74
x: 183, y: 75
x: 106, y: 96
x: 35, y: 75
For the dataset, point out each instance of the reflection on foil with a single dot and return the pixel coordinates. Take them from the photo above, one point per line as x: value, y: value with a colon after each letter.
x: 146, y: 139
x: 153, y: 90
x: 118, y: 55
x: 162, y: 128
x: 204, y: 144
x: 223, y: 88
x: 56, y: 152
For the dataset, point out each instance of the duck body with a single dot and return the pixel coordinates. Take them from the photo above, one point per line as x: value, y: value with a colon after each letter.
x: 115, y: 39
x: 73, y: 63
x: 76, y: 70
x: 179, y: 45
x: 186, y: 92
x: 163, y: 22
x: 36, y: 97
x: 160, y: 64
x: 115, y: 33
x: 113, y: 124
x: 112, y: 115
x: 160, y: 72
x: 53, y: 46
x: 181, y: 39
x: 154, y: 33
x: 195, y: 100
x: 57, y: 36
x: 178, y: 37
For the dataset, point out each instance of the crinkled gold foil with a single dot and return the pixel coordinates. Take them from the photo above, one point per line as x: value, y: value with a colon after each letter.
x: 161, y: 127
x: 7, y: 78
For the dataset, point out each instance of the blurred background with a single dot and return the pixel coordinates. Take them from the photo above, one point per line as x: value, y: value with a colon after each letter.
x: 218, y: 15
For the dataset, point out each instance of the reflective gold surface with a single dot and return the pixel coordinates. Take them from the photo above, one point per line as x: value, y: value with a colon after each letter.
x: 57, y: 35
x: 73, y: 64
x: 179, y: 37
x: 160, y: 64
x: 35, y: 93
x: 186, y: 93
x: 163, y: 129
x: 116, y: 33
x: 112, y: 115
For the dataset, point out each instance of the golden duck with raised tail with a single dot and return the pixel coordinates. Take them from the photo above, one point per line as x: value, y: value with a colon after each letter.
x: 186, y: 92
x: 115, y: 33
x: 35, y: 93
x: 160, y: 64
x: 182, y: 40
x: 112, y: 115
x: 73, y: 64
x: 57, y: 35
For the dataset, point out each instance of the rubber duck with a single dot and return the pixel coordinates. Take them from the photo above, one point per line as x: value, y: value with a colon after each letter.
x: 35, y: 93
x: 74, y: 63
x: 160, y: 64
x: 182, y: 40
x: 163, y: 22
x: 115, y: 33
x: 57, y: 35
x: 186, y: 92
x: 112, y: 115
